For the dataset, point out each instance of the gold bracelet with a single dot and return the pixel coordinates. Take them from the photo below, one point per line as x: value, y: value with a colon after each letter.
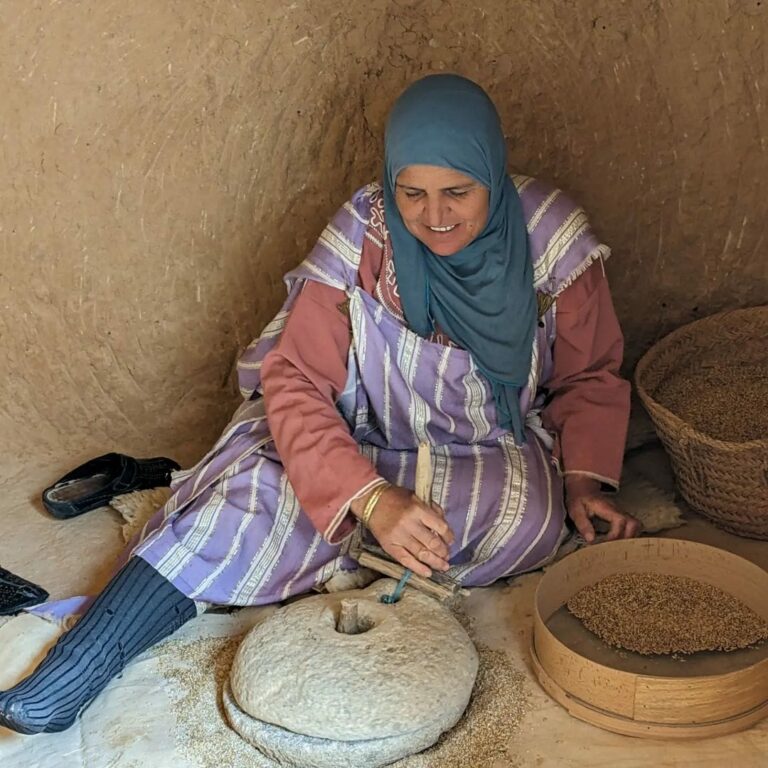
x: 373, y: 500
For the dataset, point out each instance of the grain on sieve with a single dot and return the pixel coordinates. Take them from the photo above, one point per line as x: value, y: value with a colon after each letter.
x: 654, y: 613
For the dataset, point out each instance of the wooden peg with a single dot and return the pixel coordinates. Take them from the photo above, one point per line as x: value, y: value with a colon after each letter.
x: 423, y: 488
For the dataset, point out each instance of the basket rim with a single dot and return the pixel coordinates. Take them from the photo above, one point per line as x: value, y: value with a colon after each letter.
x: 686, y: 429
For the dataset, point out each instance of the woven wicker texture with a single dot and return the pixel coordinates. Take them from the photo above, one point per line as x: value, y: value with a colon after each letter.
x: 723, y: 479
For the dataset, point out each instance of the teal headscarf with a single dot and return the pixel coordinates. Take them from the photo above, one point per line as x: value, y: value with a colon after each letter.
x: 483, y: 295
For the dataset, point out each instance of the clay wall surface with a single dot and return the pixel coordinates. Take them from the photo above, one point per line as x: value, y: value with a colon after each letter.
x: 164, y: 163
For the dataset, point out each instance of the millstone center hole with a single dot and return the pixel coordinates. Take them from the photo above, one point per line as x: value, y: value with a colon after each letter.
x: 351, y: 621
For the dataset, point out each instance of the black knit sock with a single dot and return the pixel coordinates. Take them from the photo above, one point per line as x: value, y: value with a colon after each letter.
x: 137, y: 609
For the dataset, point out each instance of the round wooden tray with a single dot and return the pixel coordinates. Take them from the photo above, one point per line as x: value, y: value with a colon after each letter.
x: 641, y: 704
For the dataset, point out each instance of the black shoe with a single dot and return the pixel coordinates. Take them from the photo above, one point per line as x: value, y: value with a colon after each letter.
x: 99, y: 480
x: 17, y: 593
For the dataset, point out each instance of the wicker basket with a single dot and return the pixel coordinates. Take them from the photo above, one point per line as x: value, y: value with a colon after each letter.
x: 725, y: 481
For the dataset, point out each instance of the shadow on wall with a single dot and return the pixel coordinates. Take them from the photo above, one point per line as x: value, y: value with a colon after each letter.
x: 168, y: 163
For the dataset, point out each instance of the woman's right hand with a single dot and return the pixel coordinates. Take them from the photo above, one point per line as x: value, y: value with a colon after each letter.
x: 412, y: 532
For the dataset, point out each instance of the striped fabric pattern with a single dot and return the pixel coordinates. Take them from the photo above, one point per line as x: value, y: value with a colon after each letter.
x: 135, y: 611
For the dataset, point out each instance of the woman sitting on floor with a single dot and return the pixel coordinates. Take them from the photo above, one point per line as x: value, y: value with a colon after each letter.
x: 452, y: 304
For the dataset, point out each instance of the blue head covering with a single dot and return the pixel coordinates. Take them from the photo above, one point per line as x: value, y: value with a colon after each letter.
x: 483, y: 295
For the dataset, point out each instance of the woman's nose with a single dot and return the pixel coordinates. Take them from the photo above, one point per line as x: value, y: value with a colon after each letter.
x: 434, y: 212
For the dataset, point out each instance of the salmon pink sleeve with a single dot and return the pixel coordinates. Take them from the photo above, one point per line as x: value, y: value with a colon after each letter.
x: 302, y: 378
x: 588, y: 408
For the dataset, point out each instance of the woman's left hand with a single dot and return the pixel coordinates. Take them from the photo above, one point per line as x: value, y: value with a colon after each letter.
x: 585, y: 502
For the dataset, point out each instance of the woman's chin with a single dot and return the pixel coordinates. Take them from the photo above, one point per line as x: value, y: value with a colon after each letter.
x: 443, y: 251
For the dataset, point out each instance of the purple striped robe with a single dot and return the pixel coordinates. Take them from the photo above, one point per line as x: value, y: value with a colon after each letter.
x: 233, y: 532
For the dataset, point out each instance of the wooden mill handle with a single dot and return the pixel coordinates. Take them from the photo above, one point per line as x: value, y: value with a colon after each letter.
x: 396, y: 571
x: 423, y: 488
x: 423, y: 491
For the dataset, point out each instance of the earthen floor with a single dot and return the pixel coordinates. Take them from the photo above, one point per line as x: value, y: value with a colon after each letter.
x: 76, y: 556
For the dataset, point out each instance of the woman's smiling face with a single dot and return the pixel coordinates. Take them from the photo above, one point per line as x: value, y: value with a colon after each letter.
x: 442, y: 208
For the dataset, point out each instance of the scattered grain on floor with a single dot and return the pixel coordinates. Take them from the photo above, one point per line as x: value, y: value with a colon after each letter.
x: 653, y: 613
x: 483, y: 737
x: 197, y: 670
